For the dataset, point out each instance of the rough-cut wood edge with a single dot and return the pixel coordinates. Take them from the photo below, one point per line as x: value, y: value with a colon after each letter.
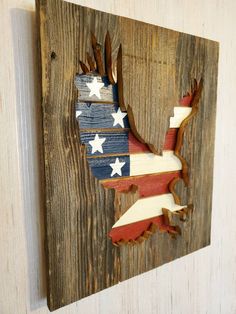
x: 120, y: 79
x: 84, y: 67
x: 97, y: 55
x: 197, y: 90
x: 153, y: 228
x: 90, y: 62
x: 108, y: 58
x: 172, y: 190
x: 182, y: 214
x: 42, y: 68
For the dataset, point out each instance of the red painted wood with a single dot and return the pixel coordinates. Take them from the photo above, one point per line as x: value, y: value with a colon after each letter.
x: 148, y: 185
x: 186, y: 100
x: 137, y: 147
x: 170, y: 139
x: 134, y: 230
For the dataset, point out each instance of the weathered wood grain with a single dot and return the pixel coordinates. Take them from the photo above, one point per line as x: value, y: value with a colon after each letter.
x: 148, y: 69
x: 78, y: 248
x: 80, y: 212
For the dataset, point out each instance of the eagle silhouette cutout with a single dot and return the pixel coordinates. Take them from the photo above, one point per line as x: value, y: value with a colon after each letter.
x: 144, y: 182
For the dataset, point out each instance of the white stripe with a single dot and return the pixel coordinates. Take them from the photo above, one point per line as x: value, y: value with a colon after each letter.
x: 148, y: 207
x: 151, y: 163
x: 180, y: 113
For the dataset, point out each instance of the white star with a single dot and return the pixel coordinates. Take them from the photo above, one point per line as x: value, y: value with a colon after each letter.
x: 78, y: 113
x: 118, y: 118
x: 116, y: 167
x: 95, y: 88
x: 97, y: 144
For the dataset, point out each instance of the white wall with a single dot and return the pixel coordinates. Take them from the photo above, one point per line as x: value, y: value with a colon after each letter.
x: 203, y: 282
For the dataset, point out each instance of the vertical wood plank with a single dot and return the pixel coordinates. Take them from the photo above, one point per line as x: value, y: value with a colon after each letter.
x: 81, y: 258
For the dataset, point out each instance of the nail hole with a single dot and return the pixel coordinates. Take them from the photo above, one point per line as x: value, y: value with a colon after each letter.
x: 53, y: 55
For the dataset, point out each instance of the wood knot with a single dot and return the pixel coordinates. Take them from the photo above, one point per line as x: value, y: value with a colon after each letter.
x: 53, y: 55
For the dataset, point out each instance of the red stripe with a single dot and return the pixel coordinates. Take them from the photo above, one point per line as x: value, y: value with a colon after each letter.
x: 170, y: 139
x: 137, y: 147
x: 148, y: 185
x: 134, y: 230
x: 186, y: 100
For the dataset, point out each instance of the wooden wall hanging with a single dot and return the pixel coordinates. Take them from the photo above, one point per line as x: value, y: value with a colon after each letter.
x: 129, y: 122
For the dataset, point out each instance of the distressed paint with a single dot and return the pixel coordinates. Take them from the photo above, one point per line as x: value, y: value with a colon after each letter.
x: 148, y: 185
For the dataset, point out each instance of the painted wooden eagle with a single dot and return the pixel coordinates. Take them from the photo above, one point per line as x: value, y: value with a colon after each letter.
x: 120, y: 161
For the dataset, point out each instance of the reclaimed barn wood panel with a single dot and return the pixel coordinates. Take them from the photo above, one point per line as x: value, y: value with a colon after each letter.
x: 79, y: 211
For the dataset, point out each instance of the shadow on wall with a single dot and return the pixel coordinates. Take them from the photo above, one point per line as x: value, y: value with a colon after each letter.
x: 29, y: 129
